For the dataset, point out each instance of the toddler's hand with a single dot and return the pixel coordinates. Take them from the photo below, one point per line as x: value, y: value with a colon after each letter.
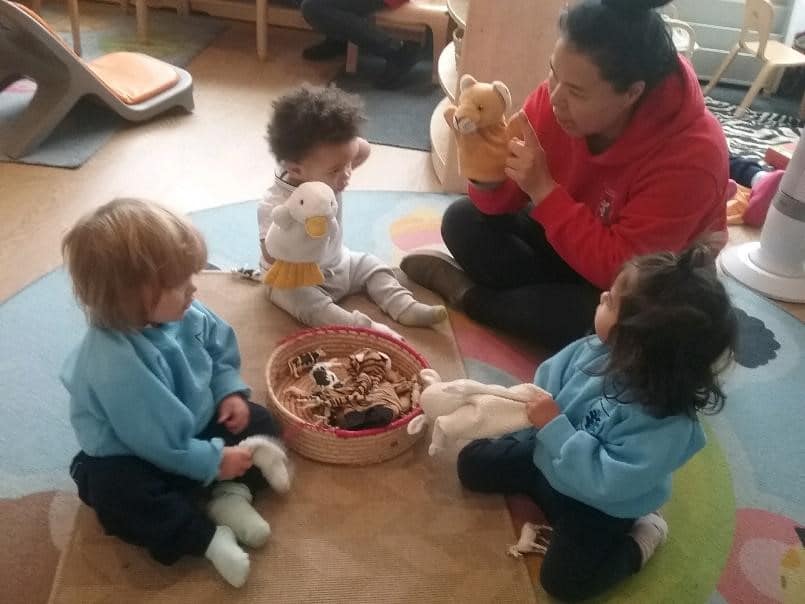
x: 234, y: 462
x: 541, y: 410
x: 233, y: 412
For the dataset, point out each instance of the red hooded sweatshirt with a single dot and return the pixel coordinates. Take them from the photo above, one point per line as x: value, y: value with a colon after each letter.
x: 658, y: 187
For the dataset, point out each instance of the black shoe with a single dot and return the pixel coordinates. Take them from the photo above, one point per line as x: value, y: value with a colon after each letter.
x: 439, y: 273
x: 398, y: 64
x: 325, y: 50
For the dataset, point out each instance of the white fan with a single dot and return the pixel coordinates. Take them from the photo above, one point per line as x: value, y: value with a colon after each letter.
x: 775, y: 266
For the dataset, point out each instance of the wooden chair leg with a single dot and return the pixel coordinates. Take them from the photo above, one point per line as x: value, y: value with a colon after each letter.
x: 260, y: 22
x: 352, y: 58
x: 802, y: 108
x: 721, y: 69
x: 75, y: 26
x: 761, y: 79
x: 141, y: 7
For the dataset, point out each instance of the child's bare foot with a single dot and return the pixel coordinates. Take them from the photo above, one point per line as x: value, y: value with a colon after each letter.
x: 383, y: 328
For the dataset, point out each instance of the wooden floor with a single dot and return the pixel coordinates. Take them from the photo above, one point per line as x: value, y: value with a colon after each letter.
x: 215, y: 156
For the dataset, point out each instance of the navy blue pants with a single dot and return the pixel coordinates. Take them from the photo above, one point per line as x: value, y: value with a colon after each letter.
x: 743, y: 170
x: 589, y: 551
x: 523, y: 286
x: 163, y: 512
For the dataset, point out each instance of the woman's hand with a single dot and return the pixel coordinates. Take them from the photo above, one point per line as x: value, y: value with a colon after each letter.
x: 233, y: 413
x: 541, y: 410
x: 526, y: 164
x: 234, y: 462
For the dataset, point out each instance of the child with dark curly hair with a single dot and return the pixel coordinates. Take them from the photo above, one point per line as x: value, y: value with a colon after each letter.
x: 314, y: 136
x: 620, y: 420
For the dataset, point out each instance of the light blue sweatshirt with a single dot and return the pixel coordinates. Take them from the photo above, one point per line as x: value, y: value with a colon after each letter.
x: 612, y: 456
x: 149, y: 393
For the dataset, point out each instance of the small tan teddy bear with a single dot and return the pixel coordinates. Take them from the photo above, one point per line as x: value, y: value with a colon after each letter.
x: 481, y: 129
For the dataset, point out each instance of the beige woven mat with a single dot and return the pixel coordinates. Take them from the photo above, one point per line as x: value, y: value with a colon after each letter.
x: 402, y: 531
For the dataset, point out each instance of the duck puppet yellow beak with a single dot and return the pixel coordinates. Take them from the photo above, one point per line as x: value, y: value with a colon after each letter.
x: 316, y: 226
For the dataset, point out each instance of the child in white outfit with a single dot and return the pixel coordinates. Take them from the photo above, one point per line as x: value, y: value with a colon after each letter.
x: 314, y: 136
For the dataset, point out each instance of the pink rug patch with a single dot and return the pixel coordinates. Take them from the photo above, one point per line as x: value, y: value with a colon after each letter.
x: 752, y: 572
x: 481, y: 343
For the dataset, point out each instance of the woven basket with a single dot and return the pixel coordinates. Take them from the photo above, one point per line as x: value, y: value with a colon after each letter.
x: 326, y: 443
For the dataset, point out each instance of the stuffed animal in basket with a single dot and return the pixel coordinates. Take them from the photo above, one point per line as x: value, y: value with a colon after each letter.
x: 466, y: 409
x: 481, y: 129
x: 298, y: 236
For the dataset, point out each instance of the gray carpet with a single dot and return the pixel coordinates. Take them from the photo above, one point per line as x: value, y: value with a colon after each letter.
x: 104, y: 29
x: 398, y: 118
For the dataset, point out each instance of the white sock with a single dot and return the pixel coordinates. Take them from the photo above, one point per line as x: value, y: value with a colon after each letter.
x: 758, y: 177
x: 231, y: 506
x: 269, y: 455
x: 227, y: 557
x: 422, y: 315
x: 649, y: 532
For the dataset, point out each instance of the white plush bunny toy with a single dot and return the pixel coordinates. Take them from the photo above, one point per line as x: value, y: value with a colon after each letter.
x: 466, y: 409
x: 298, y: 236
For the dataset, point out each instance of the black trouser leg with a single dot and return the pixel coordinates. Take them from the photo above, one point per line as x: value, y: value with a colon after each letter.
x: 260, y: 422
x: 589, y: 550
x: 143, y: 505
x: 524, y: 286
x: 743, y: 170
x: 347, y: 20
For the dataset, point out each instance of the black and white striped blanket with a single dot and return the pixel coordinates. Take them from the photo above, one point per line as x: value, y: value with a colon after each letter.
x: 751, y: 134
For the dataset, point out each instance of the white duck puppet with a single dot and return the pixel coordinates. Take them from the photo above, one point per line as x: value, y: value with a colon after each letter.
x: 299, y: 232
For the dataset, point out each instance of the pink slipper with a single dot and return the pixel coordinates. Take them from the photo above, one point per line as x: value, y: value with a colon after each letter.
x: 760, y: 199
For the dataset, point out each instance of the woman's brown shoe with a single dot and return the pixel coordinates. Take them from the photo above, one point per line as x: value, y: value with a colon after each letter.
x: 440, y: 273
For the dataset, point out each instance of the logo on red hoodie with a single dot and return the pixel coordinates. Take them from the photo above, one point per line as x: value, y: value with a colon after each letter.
x: 605, y: 206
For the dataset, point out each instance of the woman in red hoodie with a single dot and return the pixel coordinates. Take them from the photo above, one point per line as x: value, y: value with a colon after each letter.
x: 618, y: 157
x: 343, y: 21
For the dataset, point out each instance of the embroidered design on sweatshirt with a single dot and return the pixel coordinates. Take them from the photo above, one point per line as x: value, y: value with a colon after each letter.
x: 592, y: 420
x: 596, y: 416
x: 605, y: 206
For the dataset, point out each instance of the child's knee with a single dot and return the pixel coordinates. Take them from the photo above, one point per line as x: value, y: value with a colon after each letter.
x: 560, y: 582
x: 468, y: 465
x: 261, y: 421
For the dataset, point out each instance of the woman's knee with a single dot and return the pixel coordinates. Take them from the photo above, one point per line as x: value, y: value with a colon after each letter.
x: 459, y: 223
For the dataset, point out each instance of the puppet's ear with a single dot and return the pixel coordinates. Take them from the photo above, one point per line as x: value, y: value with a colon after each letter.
x: 504, y: 93
x: 466, y: 81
